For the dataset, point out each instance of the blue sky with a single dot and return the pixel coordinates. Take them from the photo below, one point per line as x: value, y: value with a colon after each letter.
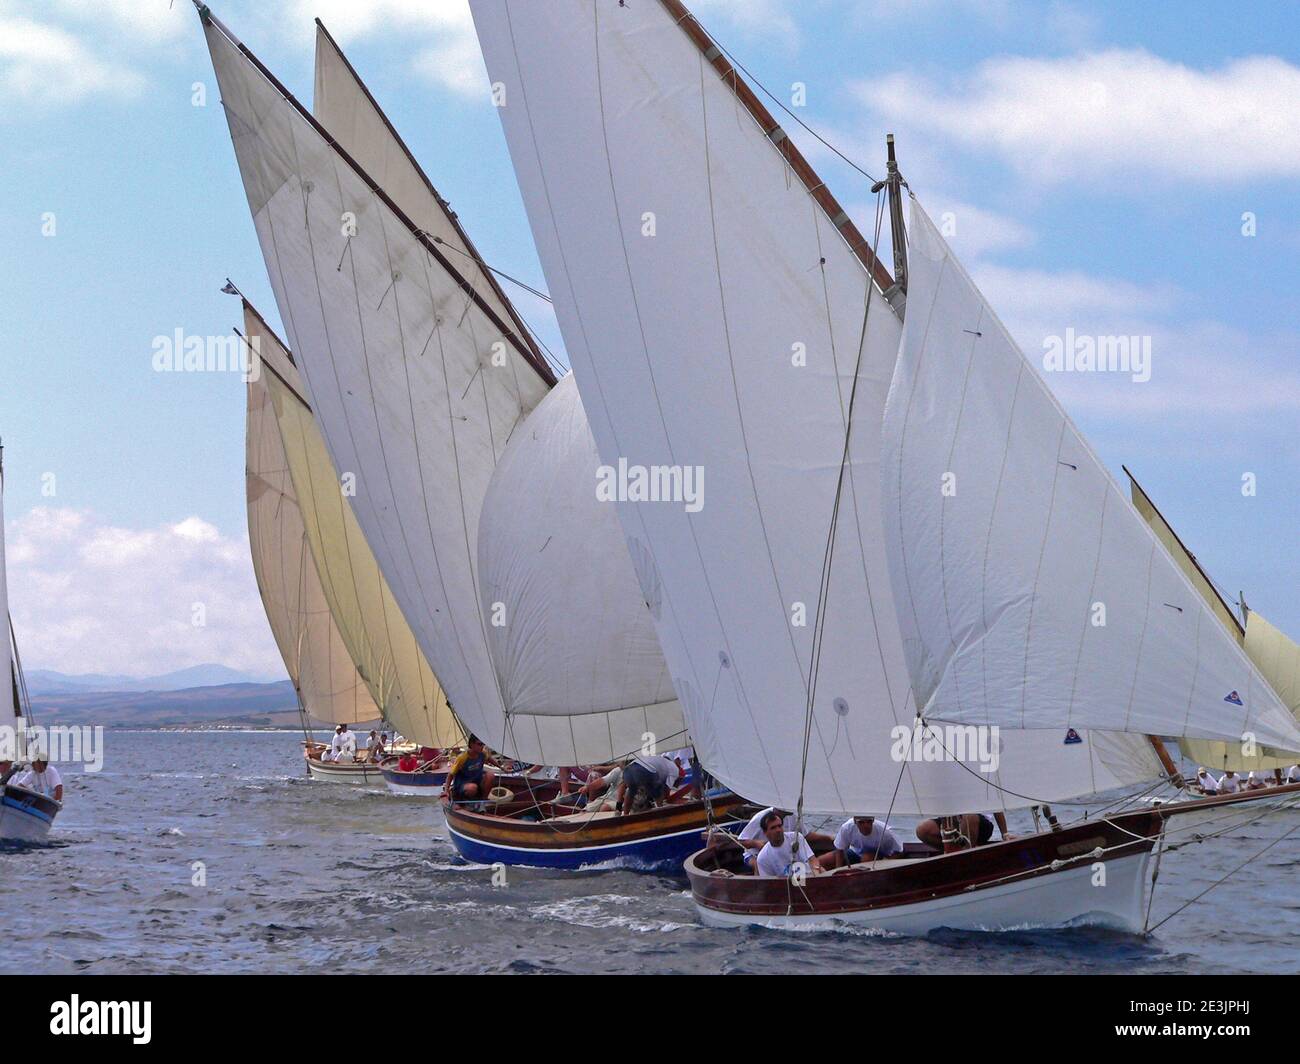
x: 1096, y: 163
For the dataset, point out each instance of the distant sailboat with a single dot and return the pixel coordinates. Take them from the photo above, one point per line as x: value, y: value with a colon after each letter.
x: 25, y: 816
x: 721, y: 310
x: 324, y: 674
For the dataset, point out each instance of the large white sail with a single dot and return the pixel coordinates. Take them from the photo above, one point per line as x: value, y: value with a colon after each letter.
x: 8, y: 698
x: 372, y: 627
x: 718, y: 309
x: 572, y: 632
x: 416, y: 382
x: 314, y: 653
x: 1031, y: 593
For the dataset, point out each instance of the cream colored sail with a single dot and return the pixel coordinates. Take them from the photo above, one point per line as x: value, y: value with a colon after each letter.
x: 416, y: 382
x: 712, y: 303
x: 323, y: 673
x: 372, y: 627
x: 1272, y: 651
x: 1031, y: 593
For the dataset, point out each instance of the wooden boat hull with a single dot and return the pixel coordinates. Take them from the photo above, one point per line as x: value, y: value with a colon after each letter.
x: 1052, y: 879
x: 656, y: 839
x: 358, y: 772
x: 427, y: 784
x: 26, y: 816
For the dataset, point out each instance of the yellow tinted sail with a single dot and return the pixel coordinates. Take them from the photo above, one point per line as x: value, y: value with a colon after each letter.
x: 1274, y: 654
x: 373, y: 627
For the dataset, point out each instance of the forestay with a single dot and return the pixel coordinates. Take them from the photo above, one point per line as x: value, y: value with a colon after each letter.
x: 372, y: 627
x: 716, y: 318
x: 323, y: 673
x: 572, y: 631
x: 1031, y: 593
x: 416, y: 382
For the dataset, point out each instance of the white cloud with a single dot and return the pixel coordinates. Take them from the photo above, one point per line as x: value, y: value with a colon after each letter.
x: 87, y: 596
x: 1201, y: 370
x: 142, y: 21
x: 1116, y: 114
x: 42, y: 65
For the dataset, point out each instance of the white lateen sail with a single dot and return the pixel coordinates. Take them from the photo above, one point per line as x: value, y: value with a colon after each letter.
x: 1031, y: 593
x: 719, y: 310
x: 416, y: 381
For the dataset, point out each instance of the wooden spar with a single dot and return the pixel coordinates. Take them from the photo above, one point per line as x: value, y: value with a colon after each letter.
x: 816, y: 187
x: 534, y: 360
x: 1166, y: 762
x: 451, y: 217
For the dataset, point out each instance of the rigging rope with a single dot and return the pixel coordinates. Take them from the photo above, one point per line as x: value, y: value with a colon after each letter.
x: 819, y: 622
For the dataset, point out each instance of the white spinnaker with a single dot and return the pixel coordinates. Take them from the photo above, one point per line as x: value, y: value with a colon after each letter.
x: 575, y: 648
x: 8, y: 703
x: 376, y: 635
x: 684, y: 346
x: 314, y: 653
x: 1031, y: 593
x: 415, y: 382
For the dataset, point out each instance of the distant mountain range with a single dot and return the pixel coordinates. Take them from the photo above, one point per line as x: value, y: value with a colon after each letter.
x: 201, y: 696
x: 46, y: 682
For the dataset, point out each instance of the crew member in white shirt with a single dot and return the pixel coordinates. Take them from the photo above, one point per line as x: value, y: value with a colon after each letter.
x: 1293, y: 774
x: 1208, y: 784
x: 343, y: 747
x: 860, y: 838
x: 752, y: 839
x: 43, y: 778
x: 1229, y: 783
x: 784, y: 853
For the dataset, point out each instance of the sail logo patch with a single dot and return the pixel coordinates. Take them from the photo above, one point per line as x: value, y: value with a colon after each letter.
x: 1072, y: 737
x: 1233, y: 697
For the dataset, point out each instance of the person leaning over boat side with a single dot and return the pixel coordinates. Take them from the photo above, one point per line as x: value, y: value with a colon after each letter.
x: 784, y: 852
x: 470, y: 778
x: 1206, y: 781
x: 860, y: 838
x: 976, y: 827
x: 7, y: 769
x: 1258, y: 779
x: 1229, y: 783
x: 43, y: 778
x: 1293, y: 774
x: 646, y: 781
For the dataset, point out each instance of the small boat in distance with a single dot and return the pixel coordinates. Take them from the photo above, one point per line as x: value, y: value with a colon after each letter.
x: 25, y: 815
